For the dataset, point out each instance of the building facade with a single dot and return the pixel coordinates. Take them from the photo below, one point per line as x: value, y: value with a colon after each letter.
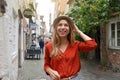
x: 13, y: 43
x: 110, y: 43
x: 60, y: 7
x: 9, y: 41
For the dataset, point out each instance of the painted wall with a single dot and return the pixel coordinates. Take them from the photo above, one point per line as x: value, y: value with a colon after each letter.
x: 9, y: 42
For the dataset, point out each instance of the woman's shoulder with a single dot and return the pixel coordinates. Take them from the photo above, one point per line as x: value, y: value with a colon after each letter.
x: 49, y: 44
x: 77, y: 42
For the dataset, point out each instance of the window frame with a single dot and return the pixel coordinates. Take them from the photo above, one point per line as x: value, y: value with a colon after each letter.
x: 109, y: 41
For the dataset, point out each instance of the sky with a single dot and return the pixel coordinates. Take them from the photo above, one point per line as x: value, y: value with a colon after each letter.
x: 45, y: 7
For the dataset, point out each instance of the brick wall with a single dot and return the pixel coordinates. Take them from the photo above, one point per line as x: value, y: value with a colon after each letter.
x: 108, y: 55
x: 114, y: 57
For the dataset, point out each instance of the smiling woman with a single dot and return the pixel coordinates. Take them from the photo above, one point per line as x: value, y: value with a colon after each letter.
x: 63, y: 28
x: 62, y: 60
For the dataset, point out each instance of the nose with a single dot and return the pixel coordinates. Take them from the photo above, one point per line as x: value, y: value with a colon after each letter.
x: 63, y: 26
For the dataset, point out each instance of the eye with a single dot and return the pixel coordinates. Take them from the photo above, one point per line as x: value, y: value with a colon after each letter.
x: 66, y: 25
x: 60, y: 24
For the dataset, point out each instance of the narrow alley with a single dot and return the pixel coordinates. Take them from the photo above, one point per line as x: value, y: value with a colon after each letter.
x: 26, y: 26
x: 33, y: 70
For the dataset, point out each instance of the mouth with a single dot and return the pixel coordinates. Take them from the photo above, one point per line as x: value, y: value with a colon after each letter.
x: 63, y: 32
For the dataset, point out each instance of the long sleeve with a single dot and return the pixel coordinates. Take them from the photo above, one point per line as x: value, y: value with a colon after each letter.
x: 87, y: 45
x: 46, y: 59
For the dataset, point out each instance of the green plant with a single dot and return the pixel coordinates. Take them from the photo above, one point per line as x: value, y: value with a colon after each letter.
x: 83, y: 55
x: 103, y: 63
x: 89, y: 14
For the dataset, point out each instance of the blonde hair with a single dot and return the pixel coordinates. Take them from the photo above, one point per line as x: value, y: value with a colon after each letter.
x: 56, y: 39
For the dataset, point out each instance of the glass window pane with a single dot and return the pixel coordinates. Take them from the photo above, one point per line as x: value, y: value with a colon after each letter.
x: 118, y: 34
x: 113, y: 34
x: 118, y: 42
x: 113, y: 42
x: 113, y: 26
x: 118, y: 25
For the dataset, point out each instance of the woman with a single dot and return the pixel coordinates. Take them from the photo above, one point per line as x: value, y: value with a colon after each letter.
x: 62, y: 61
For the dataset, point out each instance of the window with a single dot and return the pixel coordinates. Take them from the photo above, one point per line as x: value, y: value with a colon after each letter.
x: 114, y: 35
x: 2, y: 6
x: 118, y: 34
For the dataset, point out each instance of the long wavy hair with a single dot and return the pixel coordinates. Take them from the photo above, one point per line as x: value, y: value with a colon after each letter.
x: 56, y: 39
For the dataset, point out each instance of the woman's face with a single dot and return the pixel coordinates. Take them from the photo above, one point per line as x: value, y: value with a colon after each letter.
x: 63, y: 28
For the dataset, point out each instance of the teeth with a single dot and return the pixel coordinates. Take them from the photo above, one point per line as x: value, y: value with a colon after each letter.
x: 63, y: 31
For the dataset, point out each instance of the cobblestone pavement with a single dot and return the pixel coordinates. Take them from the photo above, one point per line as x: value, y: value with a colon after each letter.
x: 33, y: 70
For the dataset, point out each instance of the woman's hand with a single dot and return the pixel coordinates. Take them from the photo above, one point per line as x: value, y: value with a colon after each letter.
x: 75, y: 29
x: 82, y: 35
x: 53, y: 74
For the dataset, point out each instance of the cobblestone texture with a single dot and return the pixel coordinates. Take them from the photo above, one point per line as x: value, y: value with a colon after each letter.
x: 33, y: 70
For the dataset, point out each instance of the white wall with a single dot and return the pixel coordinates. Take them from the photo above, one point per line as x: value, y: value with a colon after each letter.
x: 4, y: 56
x: 9, y: 42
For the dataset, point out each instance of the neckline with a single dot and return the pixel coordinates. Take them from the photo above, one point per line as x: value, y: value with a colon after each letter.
x: 65, y: 49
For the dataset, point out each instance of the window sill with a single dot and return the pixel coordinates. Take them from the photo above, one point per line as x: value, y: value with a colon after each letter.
x: 114, y: 48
